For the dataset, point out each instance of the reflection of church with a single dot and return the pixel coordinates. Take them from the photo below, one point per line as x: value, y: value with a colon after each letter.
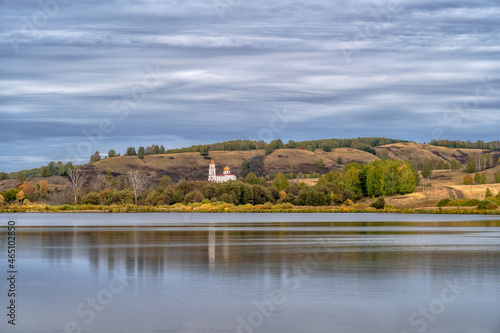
x: 225, y: 177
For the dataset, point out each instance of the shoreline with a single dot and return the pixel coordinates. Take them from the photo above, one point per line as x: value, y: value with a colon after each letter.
x: 228, y: 208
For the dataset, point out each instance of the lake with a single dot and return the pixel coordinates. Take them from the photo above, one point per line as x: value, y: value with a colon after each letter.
x: 214, y: 273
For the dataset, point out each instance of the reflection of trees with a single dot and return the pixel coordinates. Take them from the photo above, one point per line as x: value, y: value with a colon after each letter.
x: 253, y: 250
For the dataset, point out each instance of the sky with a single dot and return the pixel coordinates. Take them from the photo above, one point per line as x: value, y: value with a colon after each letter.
x: 83, y: 76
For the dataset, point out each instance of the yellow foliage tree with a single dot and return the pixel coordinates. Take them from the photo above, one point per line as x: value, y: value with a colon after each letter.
x: 44, y: 187
x: 2, y: 200
x: 28, y: 188
x: 20, y: 196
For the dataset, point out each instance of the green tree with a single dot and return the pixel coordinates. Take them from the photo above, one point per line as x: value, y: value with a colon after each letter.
x: 383, y: 154
x: 488, y: 193
x: 406, y: 180
x: 427, y: 170
x: 162, y: 150
x: 454, y: 165
x: 477, y: 178
x: 470, y: 167
x: 111, y: 153
x: 109, y: 178
x: 3, y: 176
x: 95, y: 158
x: 390, y: 180
x: 130, y: 152
x: 60, y: 168
x: 379, y: 204
x: 311, y: 197
x: 165, y: 181
x: 482, y: 179
x: 21, y: 177
x: 350, y: 183
x: 204, y: 150
x: 141, y: 153
x: 320, y: 164
x: 340, y: 160
x: 10, y: 195
x: 280, y: 182
x: 69, y: 167
x: 497, y: 177
x: 373, y: 179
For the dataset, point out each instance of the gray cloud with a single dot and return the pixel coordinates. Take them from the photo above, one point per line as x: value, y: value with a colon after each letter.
x: 179, y: 73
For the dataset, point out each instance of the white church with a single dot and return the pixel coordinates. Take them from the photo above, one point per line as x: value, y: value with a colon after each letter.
x: 225, y: 177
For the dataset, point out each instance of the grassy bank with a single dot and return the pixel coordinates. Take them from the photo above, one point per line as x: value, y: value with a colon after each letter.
x: 220, y: 207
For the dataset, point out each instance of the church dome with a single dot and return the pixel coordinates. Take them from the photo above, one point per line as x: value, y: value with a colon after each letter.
x: 227, y: 169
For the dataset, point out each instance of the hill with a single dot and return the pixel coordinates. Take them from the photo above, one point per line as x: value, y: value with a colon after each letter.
x: 193, y: 166
x: 427, y: 153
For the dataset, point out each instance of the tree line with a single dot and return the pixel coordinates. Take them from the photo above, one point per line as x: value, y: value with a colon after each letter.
x: 378, y: 178
x: 479, y: 144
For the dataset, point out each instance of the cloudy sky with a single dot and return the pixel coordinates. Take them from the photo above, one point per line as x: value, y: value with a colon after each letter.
x: 81, y: 76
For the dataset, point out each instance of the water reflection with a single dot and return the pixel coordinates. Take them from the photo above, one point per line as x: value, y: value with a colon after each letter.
x: 146, y: 249
x: 334, y: 276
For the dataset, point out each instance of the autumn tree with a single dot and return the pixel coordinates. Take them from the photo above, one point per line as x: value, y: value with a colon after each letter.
x: 75, y: 182
x: 2, y: 200
x: 20, y: 196
x: 137, y: 181
x: 468, y: 180
x: 28, y: 188
x: 44, y: 187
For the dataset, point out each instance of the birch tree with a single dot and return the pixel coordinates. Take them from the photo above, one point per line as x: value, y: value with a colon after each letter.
x: 138, y: 182
x: 75, y: 182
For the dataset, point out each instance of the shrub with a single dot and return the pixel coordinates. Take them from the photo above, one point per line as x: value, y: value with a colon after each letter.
x: 482, y: 204
x: 443, y: 202
x: 470, y: 202
x: 379, y: 204
x: 92, y: 198
x: 491, y: 206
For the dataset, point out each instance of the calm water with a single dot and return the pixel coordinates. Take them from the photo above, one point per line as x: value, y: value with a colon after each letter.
x: 208, y: 273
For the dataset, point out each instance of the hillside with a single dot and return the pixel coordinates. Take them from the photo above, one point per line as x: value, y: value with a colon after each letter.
x: 425, y: 153
x: 193, y: 166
